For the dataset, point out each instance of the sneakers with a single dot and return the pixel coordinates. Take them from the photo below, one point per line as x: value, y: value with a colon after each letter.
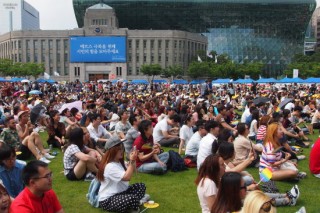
x: 43, y: 159
x: 145, y: 199
x: 302, y: 210
x: 293, y: 195
x: 48, y: 156
x: 89, y: 177
x: 301, y: 157
x: 301, y: 175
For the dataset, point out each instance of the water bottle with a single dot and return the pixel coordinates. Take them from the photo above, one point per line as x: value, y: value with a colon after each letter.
x: 50, y: 147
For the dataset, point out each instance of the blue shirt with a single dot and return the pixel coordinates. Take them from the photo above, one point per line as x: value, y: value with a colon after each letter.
x: 12, y: 179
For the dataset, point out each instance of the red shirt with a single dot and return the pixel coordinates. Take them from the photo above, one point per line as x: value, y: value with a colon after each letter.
x: 314, y: 163
x: 145, y: 147
x: 26, y: 202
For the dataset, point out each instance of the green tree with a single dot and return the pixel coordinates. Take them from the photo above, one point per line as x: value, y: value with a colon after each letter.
x: 151, y: 70
x: 198, y: 69
x: 172, y: 71
x: 5, y: 66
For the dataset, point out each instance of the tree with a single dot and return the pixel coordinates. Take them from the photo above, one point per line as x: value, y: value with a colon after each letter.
x: 151, y: 70
x: 5, y: 66
x: 198, y: 69
x: 172, y: 71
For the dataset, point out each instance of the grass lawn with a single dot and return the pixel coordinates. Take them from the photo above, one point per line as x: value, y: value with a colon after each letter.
x: 176, y: 192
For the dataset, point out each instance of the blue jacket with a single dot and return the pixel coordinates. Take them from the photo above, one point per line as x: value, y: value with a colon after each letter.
x: 12, y: 179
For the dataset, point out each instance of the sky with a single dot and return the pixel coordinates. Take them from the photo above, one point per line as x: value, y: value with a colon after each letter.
x: 58, y: 14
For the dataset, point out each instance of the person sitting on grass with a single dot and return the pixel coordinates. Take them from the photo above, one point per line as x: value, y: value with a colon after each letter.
x: 132, y: 133
x: 256, y: 202
x: 10, y: 170
x: 28, y: 147
x: 282, y: 168
x: 149, y: 158
x: 208, y: 180
x: 37, y: 196
x: 79, y: 161
x: 186, y: 133
x: 56, y: 130
x: 115, y: 193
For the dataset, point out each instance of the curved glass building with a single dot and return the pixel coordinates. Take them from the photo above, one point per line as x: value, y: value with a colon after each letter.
x: 268, y: 31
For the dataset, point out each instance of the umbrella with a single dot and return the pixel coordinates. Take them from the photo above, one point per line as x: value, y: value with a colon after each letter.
x: 75, y: 104
x: 284, y: 102
x: 259, y: 100
x: 18, y: 93
x: 35, y: 92
x: 25, y: 81
x: 37, y: 112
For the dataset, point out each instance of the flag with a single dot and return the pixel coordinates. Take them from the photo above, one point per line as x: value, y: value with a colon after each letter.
x: 209, y: 54
x: 216, y: 59
x: 199, y: 59
x: 46, y: 75
x: 56, y: 73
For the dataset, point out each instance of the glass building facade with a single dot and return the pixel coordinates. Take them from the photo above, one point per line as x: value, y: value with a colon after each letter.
x: 268, y: 31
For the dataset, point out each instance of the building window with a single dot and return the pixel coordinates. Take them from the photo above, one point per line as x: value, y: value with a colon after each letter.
x: 159, y: 44
x: 129, y: 57
x: 130, y: 44
x: 129, y: 71
x: 35, y: 44
x: 159, y: 58
x: 167, y: 58
x: 138, y: 70
x: 76, y: 71
x: 58, y: 44
x: 43, y: 45
x: 43, y: 57
x: 50, y: 44
x: 65, y: 44
x: 152, y: 57
x: 28, y: 44
x: 144, y: 44
x: 66, y: 57
x: 144, y: 57
x: 119, y: 71
x: 19, y: 44
x: 137, y: 44
x: 175, y: 44
x: 58, y: 57
x: 137, y: 58
x: 35, y: 58
x: 167, y: 44
x: 152, y: 44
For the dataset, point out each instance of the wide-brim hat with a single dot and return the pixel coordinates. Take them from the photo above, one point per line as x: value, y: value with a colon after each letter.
x: 112, y: 142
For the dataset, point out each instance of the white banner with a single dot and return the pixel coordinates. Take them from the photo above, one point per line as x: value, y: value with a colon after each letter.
x: 295, y: 73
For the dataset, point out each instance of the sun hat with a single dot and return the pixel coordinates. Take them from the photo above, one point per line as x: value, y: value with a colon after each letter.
x: 113, y: 141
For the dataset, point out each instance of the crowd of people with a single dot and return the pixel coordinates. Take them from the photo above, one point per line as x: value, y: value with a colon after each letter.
x: 107, y: 131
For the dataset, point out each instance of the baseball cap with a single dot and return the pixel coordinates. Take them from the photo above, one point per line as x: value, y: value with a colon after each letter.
x: 113, y: 141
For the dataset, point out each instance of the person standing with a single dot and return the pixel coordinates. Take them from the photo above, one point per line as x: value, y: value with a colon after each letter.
x: 37, y: 196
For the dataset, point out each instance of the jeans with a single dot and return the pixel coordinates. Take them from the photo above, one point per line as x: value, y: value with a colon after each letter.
x: 155, y: 167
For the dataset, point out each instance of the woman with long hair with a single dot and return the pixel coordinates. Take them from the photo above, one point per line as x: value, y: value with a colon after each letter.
x: 207, y: 181
x: 231, y: 193
x: 254, y: 125
x: 271, y: 158
x: 79, y: 161
x: 115, y: 194
x: 149, y: 159
x: 56, y: 130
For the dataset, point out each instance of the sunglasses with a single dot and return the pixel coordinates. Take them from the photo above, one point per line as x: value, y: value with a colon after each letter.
x: 266, y: 207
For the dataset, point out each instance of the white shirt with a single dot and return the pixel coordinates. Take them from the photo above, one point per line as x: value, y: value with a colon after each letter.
x: 101, y: 133
x: 185, y: 133
x: 245, y: 115
x: 252, y: 130
x: 113, y: 183
x: 192, y: 147
x: 206, y: 188
x: 157, y: 131
x: 205, y: 148
x: 289, y: 106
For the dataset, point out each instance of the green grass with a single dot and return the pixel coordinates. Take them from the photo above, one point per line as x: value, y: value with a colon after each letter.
x: 175, y: 192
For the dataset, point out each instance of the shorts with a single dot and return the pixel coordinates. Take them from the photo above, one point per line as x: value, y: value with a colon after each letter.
x: 72, y: 176
x: 25, y: 153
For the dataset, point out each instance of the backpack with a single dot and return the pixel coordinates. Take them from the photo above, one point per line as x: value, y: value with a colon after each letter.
x: 92, y: 195
x: 176, y: 162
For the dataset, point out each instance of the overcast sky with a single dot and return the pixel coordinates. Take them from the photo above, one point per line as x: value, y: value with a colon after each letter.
x: 58, y: 14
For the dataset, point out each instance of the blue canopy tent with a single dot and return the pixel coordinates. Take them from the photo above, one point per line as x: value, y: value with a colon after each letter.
x: 266, y: 80
x: 222, y: 81
x: 297, y: 80
x: 244, y: 81
x: 17, y: 79
x: 285, y: 80
x: 116, y: 80
x: 41, y: 80
x: 179, y: 81
x: 3, y: 80
x: 312, y: 80
x: 291, y: 80
x: 197, y: 81
x: 159, y: 81
x: 139, y: 81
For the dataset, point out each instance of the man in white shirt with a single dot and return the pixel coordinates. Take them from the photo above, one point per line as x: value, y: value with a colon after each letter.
x: 97, y: 132
x: 192, y: 147
x: 205, y: 147
x: 161, y: 133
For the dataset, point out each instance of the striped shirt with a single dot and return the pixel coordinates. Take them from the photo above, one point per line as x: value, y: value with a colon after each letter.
x: 261, y: 133
x: 268, y: 157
